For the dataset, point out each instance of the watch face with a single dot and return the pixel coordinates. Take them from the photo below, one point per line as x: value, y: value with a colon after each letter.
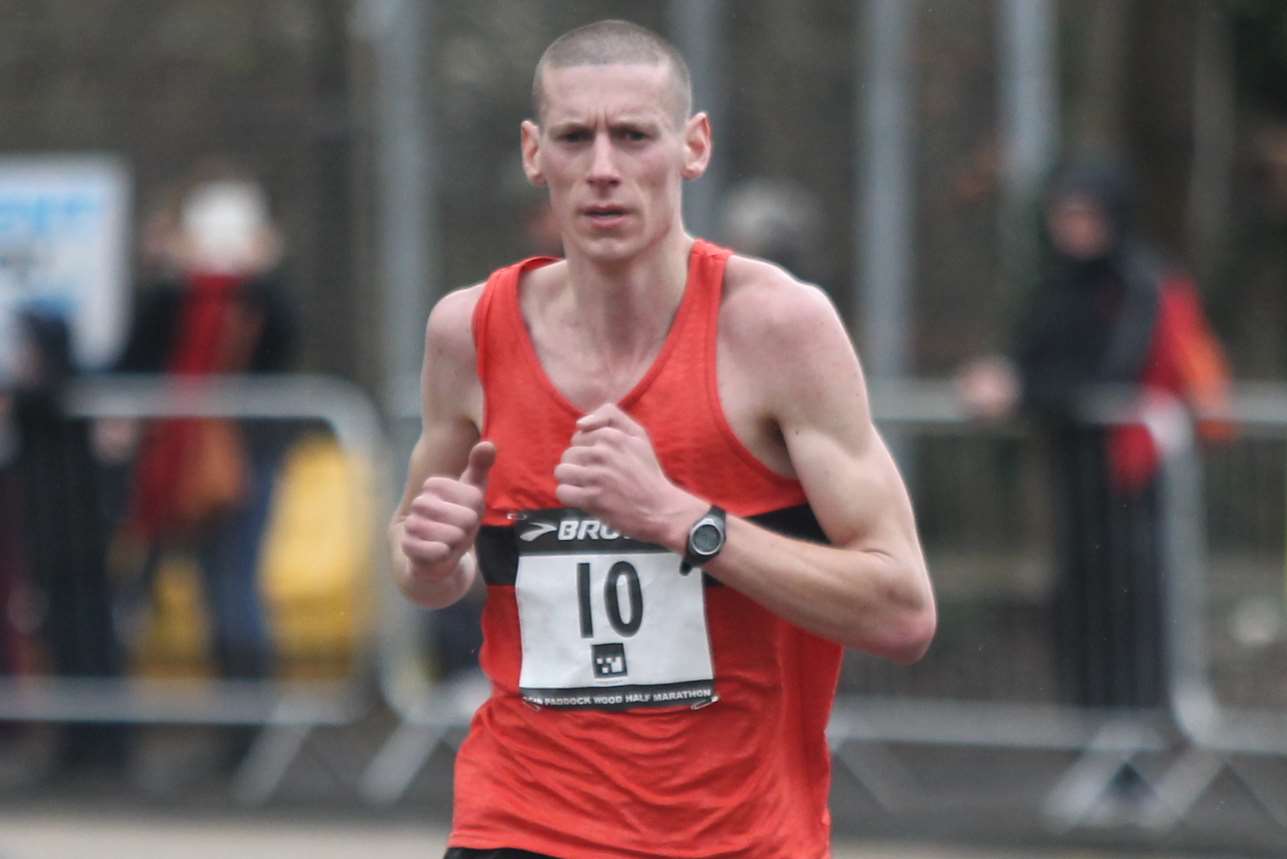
x: 707, y: 538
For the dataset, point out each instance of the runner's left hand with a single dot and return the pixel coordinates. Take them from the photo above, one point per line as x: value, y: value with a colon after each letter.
x: 610, y: 470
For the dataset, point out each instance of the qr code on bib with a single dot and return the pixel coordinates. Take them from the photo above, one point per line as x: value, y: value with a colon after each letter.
x: 609, y: 660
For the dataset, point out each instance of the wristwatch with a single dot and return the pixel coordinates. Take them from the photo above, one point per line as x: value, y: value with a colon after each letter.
x: 705, y: 539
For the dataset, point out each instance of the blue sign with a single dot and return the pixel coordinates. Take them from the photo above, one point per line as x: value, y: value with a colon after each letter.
x: 64, y: 243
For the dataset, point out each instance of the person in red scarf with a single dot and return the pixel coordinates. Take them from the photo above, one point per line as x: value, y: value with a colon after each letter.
x: 201, y: 484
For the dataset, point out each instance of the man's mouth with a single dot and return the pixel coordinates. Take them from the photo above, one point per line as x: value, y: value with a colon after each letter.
x: 604, y: 212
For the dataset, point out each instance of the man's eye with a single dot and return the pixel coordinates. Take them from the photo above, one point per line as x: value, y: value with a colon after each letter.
x: 633, y: 135
x: 579, y: 136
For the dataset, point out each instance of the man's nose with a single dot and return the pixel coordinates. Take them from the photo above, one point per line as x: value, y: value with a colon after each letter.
x: 603, y: 164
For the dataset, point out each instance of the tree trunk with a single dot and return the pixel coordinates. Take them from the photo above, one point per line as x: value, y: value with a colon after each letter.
x: 1098, y: 88
x: 1160, y: 116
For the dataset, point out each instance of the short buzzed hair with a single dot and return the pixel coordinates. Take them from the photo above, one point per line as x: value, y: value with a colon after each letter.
x: 613, y: 42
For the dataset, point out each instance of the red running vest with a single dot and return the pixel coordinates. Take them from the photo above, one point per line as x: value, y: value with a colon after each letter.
x: 573, y: 769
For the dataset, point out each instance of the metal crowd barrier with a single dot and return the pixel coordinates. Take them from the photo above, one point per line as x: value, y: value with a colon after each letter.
x: 285, y: 709
x: 1222, y: 539
x: 983, y: 504
x: 988, y: 681
x: 1230, y: 616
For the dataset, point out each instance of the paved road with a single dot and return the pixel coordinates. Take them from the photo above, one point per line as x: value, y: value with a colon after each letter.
x: 79, y: 834
x: 971, y: 804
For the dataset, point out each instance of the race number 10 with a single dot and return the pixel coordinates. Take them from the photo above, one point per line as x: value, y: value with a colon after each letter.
x: 621, y: 573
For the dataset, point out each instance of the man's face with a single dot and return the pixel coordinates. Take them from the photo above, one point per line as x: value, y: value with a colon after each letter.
x: 613, y: 152
x: 1079, y: 227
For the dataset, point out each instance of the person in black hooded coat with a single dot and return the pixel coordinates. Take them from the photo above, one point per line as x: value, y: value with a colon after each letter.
x: 1106, y: 311
x: 63, y: 527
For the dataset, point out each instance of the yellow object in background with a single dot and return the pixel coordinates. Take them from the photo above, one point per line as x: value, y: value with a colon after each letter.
x: 175, y: 639
x: 316, y: 563
x: 315, y: 576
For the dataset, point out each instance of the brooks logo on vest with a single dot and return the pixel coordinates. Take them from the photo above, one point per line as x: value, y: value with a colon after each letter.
x: 571, y: 529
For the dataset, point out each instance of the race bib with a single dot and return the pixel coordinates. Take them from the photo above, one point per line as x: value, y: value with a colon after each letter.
x: 607, y: 622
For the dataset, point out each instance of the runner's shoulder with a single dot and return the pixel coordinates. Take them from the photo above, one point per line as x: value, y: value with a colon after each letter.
x: 449, y: 331
x: 765, y: 306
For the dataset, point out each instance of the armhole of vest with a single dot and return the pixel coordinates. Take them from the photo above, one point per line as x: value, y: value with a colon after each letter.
x: 478, y: 329
x: 715, y: 302
x: 500, y: 289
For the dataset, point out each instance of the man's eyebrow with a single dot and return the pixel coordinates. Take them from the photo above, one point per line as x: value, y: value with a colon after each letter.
x: 635, y: 122
x: 566, y: 125
x: 640, y: 122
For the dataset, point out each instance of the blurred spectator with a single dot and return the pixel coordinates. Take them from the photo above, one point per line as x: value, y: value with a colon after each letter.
x: 12, y: 576
x: 205, y: 485
x: 541, y: 228
x: 1105, y: 312
x: 776, y: 220
x: 63, y: 530
x: 10, y: 569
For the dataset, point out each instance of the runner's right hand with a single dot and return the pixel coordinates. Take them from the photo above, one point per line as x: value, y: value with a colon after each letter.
x: 444, y: 517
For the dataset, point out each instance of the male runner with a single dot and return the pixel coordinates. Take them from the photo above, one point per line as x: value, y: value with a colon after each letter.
x: 660, y: 459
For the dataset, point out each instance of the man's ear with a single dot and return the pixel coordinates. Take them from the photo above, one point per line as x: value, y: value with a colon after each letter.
x: 697, y: 145
x: 530, y: 143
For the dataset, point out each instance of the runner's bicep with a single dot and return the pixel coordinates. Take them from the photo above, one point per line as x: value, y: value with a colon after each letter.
x: 838, y: 454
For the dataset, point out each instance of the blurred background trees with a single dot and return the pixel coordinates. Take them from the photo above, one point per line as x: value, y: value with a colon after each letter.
x: 1192, y: 92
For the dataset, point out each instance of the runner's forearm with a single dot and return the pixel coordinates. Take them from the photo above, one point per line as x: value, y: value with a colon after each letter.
x: 868, y: 599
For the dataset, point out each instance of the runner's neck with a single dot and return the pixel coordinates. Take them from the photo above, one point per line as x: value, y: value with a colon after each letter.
x: 626, y: 310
